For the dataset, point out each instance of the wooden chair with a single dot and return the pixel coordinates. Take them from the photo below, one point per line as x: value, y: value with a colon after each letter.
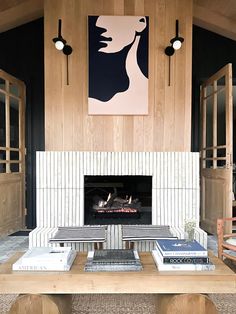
x: 226, y: 241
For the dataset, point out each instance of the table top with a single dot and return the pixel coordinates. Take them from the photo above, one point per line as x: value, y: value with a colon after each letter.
x: 149, y: 280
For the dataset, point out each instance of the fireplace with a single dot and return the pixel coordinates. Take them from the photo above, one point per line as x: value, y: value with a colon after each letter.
x: 117, y: 199
x: 63, y: 176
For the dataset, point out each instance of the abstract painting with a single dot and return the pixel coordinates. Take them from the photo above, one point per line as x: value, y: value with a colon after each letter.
x: 118, y: 65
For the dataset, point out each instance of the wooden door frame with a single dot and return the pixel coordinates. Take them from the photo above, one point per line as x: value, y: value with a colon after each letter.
x: 223, y: 174
x: 13, y: 178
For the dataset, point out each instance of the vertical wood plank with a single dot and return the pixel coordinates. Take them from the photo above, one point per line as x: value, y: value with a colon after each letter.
x: 167, y: 127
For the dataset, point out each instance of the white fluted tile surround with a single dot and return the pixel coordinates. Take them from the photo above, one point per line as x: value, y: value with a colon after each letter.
x: 60, y: 189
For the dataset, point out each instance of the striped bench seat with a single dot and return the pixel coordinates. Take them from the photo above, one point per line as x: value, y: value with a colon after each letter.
x: 84, y: 234
x: 40, y: 236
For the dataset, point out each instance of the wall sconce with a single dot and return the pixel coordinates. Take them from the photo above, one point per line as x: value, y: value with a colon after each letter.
x: 176, y: 44
x: 60, y: 44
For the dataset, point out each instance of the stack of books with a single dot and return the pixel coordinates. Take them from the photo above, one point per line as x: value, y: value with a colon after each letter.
x: 113, y: 260
x: 180, y: 254
x: 46, y: 259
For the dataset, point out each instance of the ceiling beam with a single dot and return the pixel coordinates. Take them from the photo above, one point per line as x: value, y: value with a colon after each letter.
x: 21, y: 13
x: 214, y: 22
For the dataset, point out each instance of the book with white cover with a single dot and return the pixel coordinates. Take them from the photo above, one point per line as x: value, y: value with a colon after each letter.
x: 39, y: 255
x: 180, y: 247
x: 21, y: 264
x: 180, y: 267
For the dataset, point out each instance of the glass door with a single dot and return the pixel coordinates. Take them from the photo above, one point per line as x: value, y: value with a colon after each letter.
x: 12, y: 154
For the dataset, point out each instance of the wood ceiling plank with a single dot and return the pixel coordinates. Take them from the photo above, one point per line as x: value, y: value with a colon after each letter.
x: 19, y: 12
x: 213, y: 21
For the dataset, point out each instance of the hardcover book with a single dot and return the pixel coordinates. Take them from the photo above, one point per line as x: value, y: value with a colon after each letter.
x: 22, y: 265
x: 39, y: 255
x: 180, y: 267
x: 113, y: 260
x: 115, y: 256
x: 180, y: 247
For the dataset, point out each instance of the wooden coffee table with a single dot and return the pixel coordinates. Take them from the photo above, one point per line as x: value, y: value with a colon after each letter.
x: 54, y: 289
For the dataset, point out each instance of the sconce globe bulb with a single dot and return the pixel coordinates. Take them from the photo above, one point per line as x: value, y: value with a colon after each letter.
x: 59, y: 45
x: 177, y: 44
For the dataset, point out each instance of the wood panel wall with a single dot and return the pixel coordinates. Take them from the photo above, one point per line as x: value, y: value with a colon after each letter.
x: 68, y: 126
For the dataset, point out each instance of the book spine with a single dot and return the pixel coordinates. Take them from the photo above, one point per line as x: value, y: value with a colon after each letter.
x: 205, y: 267
x: 113, y: 268
x: 187, y: 267
x: 182, y: 253
x: 186, y: 254
x: 55, y: 267
x: 185, y: 260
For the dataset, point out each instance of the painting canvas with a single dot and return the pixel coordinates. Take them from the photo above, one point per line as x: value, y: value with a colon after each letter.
x: 118, y: 65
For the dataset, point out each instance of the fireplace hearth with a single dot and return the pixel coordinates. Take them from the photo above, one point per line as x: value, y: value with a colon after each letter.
x: 118, y: 199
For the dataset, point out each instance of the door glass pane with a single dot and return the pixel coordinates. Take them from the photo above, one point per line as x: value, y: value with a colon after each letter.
x: 221, y: 163
x: 209, y: 153
x: 209, y: 163
x: 14, y: 122
x: 209, y: 122
x: 14, y: 155
x: 14, y: 90
x: 221, y: 119
x: 2, y: 120
x: 2, y: 168
x: 2, y: 84
x: 220, y: 154
x: 209, y: 90
x: 221, y: 83
x: 2, y: 157
x: 14, y: 166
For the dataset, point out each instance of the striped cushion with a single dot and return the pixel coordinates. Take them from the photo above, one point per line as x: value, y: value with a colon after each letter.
x: 231, y: 241
x: 145, y: 232
x: 80, y: 234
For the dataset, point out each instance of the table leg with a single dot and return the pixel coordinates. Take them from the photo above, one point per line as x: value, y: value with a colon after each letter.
x: 185, y: 304
x: 126, y: 245
x: 42, y: 303
x: 129, y: 245
x: 100, y: 245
